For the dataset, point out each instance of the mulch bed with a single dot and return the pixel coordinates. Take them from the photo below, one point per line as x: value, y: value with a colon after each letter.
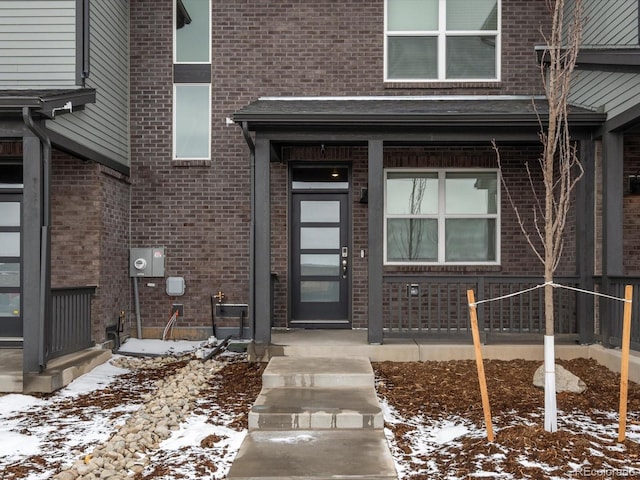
x: 522, y: 448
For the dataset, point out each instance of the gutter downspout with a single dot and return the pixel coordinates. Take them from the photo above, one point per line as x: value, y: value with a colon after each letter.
x: 44, y: 231
x: 252, y: 277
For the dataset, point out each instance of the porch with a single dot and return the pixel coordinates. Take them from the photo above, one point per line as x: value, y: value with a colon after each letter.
x: 69, y: 351
x: 423, y: 299
x: 59, y: 372
x: 341, y: 343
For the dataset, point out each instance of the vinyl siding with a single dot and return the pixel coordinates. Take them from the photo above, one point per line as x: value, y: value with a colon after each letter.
x: 613, y: 92
x: 104, y: 126
x: 37, y: 44
x: 610, y: 23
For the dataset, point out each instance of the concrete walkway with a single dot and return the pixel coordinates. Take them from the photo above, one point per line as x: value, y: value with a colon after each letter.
x: 315, y: 418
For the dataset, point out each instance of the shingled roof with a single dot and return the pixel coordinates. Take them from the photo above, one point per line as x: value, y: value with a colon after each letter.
x: 409, y: 111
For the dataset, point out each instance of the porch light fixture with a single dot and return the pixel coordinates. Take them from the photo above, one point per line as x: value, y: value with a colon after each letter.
x: 364, y: 195
x: 634, y: 184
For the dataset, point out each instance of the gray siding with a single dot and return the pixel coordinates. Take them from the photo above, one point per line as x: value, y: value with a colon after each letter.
x: 613, y: 92
x: 608, y: 23
x: 37, y: 44
x: 104, y: 126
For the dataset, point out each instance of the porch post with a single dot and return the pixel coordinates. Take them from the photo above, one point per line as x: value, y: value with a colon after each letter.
x: 585, y: 240
x: 262, y: 245
x: 376, y: 221
x: 32, y: 216
x: 612, y: 218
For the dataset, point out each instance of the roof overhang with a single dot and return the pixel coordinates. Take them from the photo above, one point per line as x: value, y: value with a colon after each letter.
x: 359, y: 113
x: 614, y: 59
x: 45, y: 103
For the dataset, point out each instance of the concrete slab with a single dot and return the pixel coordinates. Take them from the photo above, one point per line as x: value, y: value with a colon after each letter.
x: 314, y: 455
x: 341, y: 343
x: 11, y: 370
x: 60, y: 372
x: 318, y: 372
x: 316, y: 408
x: 612, y: 359
x: 446, y: 352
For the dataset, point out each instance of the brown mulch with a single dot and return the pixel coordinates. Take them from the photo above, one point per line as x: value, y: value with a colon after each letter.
x: 522, y: 448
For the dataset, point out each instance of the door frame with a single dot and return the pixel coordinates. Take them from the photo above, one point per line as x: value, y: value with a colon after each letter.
x: 290, y: 239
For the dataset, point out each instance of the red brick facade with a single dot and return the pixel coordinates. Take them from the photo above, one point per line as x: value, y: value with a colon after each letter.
x: 90, y: 236
x: 200, y: 211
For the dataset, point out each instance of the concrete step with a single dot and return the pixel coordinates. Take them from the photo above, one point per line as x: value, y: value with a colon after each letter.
x: 314, y: 455
x: 316, y: 408
x: 321, y: 372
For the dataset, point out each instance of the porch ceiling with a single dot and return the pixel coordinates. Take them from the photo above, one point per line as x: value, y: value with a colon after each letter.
x: 367, y: 112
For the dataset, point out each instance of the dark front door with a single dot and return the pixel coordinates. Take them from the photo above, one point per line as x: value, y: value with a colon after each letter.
x: 320, y: 270
x: 10, y: 261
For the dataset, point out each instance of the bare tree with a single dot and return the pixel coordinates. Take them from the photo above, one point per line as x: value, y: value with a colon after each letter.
x: 561, y: 170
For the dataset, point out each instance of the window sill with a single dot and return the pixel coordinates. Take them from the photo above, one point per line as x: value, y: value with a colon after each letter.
x: 442, y: 85
x: 191, y: 163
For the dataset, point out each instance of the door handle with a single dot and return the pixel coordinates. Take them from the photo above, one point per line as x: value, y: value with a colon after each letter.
x: 345, y: 263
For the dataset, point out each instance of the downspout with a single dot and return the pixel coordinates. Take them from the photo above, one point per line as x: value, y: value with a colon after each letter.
x: 44, y: 229
x: 252, y: 277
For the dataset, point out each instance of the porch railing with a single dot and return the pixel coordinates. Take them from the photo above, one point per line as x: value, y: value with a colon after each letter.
x: 612, y: 310
x: 70, y: 327
x: 432, y: 306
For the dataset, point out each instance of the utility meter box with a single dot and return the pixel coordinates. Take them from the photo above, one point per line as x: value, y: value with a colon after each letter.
x: 146, y: 262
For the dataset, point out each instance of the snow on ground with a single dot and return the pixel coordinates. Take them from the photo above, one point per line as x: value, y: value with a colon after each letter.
x: 33, y: 428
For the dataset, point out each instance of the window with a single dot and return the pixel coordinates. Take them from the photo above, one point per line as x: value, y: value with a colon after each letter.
x: 192, y: 80
x: 193, y: 32
x: 442, y: 217
x: 442, y: 40
x: 192, y: 121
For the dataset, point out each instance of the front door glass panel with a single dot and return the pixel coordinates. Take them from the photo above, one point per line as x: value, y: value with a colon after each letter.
x: 318, y: 291
x: 320, y: 264
x: 9, y: 214
x: 9, y: 244
x: 318, y: 237
x: 312, y: 211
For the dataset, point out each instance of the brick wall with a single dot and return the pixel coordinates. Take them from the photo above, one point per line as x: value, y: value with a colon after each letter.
x: 200, y: 211
x: 90, y: 235
x: 631, y: 207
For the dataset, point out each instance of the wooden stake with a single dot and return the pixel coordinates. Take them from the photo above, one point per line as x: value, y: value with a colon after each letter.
x: 624, y: 366
x: 481, y: 377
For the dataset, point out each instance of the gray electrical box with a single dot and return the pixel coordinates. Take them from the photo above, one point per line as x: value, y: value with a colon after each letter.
x: 146, y: 262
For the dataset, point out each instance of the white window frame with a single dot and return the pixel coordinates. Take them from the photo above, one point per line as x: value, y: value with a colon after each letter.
x: 441, y: 35
x: 442, y: 216
x: 175, y: 38
x: 174, y: 133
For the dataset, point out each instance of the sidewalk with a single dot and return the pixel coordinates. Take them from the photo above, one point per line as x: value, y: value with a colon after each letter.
x: 315, y: 418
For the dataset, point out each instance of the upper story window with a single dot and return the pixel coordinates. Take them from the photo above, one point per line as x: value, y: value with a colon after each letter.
x: 442, y: 40
x: 192, y: 80
x: 192, y: 31
x: 442, y: 217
